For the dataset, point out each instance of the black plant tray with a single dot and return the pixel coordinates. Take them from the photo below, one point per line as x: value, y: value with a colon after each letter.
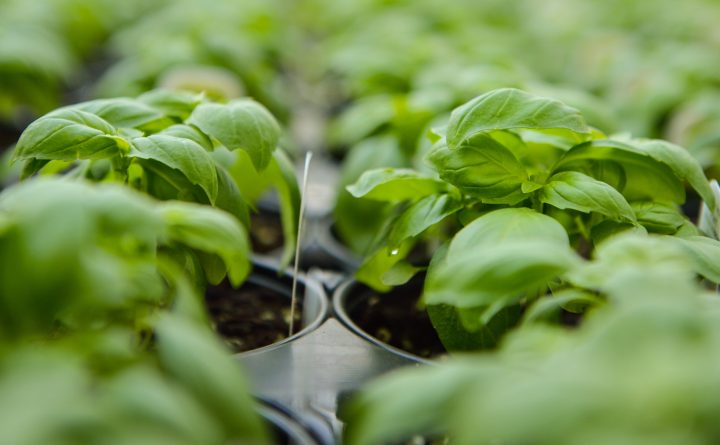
x: 314, y: 373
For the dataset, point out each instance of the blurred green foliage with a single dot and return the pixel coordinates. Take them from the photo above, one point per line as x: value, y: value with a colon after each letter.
x: 639, y: 371
x: 103, y: 333
x: 382, y: 75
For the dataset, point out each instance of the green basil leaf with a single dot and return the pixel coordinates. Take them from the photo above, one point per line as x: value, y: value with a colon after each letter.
x: 705, y: 255
x: 167, y: 183
x: 69, y: 134
x: 421, y: 215
x: 400, y: 273
x: 357, y: 221
x: 547, y: 143
x: 375, y: 266
x: 506, y: 225
x: 29, y: 374
x: 499, y: 256
x: 530, y: 186
x: 183, y: 155
x: 451, y: 324
x: 658, y: 217
x: 548, y: 308
x: 509, y: 108
x: 688, y: 229
x: 182, y: 276
x: 282, y: 176
x: 33, y: 166
x: 645, y: 178
x: 241, y: 124
x: 479, y: 318
x: 483, y: 168
x: 213, y: 267
x: 229, y: 197
x: 176, y: 104
x: 576, y: 191
x: 415, y: 401
x: 609, y: 228
x: 128, y: 113
x: 509, y: 271
x: 251, y: 182
x: 609, y: 172
x: 395, y: 185
x: 144, y: 395
x: 189, y: 132
x: 682, y: 164
x: 633, y: 266
x: 195, y: 358
x: 279, y: 174
x: 211, y: 231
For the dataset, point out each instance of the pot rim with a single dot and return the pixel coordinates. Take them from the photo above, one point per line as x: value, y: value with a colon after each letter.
x: 339, y: 304
x: 316, y: 291
x: 282, y: 418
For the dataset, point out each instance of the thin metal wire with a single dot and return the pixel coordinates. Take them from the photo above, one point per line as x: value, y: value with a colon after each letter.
x: 301, y: 218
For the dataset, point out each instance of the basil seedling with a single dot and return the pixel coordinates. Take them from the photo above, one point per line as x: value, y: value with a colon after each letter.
x: 521, y: 189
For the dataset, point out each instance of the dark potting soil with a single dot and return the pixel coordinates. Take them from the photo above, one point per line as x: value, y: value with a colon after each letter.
x: 250, y: 317
x: 395, y: 319
x: 266, y: 232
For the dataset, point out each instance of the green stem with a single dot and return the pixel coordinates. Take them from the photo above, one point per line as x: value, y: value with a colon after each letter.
x: 120, y: 166
x: 536, y: 203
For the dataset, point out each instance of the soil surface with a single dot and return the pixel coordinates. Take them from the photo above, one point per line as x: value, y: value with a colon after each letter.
x: 266, y: 232
x: 250, y: 317
x: 394, y: 318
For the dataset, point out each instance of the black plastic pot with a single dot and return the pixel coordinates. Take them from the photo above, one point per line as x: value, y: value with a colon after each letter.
x: 346, y: 299
x: 318, y: 368
x: 312, y: 303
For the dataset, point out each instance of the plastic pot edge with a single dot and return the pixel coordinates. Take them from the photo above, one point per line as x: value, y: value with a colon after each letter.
x: 339, y: 304
x: 313, y: 289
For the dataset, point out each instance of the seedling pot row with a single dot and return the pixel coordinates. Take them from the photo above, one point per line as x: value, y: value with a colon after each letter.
x: 328, y: 359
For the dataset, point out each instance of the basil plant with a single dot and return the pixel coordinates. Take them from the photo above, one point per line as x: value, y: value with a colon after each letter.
x: 520, y: 191
x: 635, y: 373
x: 170, y: 145
x: 107, y: 255
x: 100, y: 321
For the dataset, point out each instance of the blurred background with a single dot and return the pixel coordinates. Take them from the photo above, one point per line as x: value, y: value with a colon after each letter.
x: 362, y: 81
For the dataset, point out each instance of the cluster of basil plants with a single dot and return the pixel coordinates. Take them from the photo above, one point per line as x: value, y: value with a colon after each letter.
x: 537, y: 214
x: 519, y: 192
x: 127, y: 210
x: 172, y: 146
x: 104, y: 332
x: 637, y: 367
